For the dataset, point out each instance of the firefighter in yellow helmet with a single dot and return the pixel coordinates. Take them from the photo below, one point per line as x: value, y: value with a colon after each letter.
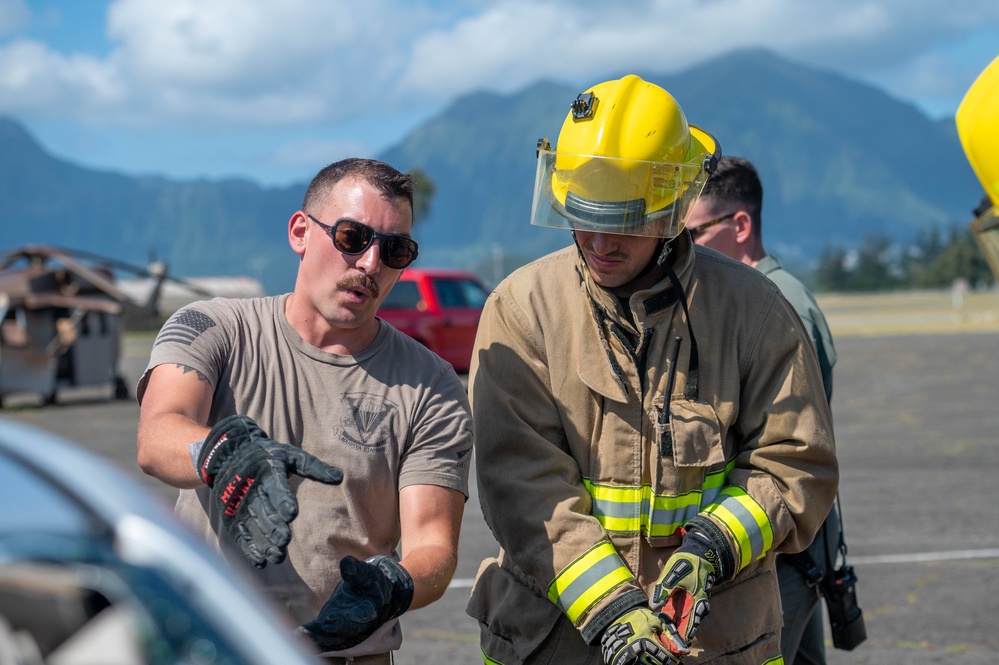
x: 650, y: 423
x: 978, y: 128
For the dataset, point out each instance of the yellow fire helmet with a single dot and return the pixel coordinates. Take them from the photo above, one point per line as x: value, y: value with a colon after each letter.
x: 626, y: 162
x: 977, y: 121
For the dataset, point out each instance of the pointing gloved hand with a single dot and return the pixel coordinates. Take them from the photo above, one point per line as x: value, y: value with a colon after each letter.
x: 370, y: 593
x: 248, y: 475
x: 641, y: 636
x: 683, y: 586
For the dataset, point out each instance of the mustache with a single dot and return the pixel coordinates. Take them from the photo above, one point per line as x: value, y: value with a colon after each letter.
x: 616, y: 255
x: 359, y: 280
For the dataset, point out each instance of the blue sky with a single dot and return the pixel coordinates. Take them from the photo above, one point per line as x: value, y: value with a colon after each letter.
x: 273, y: 90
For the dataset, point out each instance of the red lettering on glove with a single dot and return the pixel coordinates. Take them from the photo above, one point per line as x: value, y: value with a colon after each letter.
x: 234, y: 492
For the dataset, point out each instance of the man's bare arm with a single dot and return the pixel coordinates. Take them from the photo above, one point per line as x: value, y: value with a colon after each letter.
x: 430, y: 517
x: 173, y: 414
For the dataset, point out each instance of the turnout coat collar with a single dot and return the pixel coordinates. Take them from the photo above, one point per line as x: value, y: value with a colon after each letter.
x: 607, y: 321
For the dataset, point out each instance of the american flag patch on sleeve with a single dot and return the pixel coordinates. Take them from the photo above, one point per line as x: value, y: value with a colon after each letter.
x: 185, y: 327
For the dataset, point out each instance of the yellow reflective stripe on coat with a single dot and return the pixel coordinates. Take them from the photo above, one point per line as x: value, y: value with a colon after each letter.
x: 586, y: 580
x: 746, y: 521
x: 487, y: 660
x: 624, y: 509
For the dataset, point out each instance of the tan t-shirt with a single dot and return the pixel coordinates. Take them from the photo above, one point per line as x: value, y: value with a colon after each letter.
x: 391, y: 416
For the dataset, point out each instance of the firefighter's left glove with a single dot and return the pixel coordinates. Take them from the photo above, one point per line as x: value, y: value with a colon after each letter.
x: 681, y: 592
x: 641, y: 636
x: 248, y: 475
x: 370, y: 593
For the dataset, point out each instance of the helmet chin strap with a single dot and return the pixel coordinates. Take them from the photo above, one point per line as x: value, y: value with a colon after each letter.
x: 658, y: 257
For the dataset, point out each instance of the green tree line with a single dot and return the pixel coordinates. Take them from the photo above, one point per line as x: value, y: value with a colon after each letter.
x: 934, y: 260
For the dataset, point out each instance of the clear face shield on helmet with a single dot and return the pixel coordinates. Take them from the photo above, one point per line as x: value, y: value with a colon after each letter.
x: 616, y: 195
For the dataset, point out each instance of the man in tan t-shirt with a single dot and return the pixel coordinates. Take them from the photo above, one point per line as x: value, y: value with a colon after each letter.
x: 242, y: 396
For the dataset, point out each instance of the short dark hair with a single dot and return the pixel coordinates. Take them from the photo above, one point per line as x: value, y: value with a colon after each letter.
x: 390, y: 182
x: 735, y: 180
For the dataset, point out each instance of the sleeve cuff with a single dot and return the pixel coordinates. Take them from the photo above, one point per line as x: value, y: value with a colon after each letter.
x: 597, y: 624
x: 713, y: 539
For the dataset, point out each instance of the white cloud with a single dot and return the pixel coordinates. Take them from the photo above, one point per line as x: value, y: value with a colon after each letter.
x: 510, y: 44
x: 36, y: 80
x: 335, y: 68
x: 234, y: 46
x: 257, y: 62
x: 247, y: 62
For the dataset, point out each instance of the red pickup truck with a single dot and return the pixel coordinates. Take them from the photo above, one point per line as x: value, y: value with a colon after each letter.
x: 440, y: 308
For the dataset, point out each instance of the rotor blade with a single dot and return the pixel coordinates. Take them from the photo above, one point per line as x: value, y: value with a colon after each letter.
x: 142, y: 272
x: 94, y: 277
x: 93, y: 256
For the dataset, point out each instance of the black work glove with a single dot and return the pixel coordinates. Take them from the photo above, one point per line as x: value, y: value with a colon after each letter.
x: 370, y: 593
x: 248, y: 475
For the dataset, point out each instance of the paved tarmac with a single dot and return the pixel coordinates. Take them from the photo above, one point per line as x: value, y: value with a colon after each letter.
x: 916, y: 422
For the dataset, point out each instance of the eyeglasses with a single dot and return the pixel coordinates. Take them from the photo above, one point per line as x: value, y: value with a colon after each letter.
x: 396, y: 250
x: 696, y: 231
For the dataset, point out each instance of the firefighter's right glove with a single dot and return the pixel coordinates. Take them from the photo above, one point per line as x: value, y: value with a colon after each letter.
x: 248, y: 475
x: 682, y: 588
x: 370, y: 593
x: 641, y: 636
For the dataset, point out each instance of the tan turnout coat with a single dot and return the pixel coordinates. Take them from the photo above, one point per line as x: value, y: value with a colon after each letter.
x: 563, y: 410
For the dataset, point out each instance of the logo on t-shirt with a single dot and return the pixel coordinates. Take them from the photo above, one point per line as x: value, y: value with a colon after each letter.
x: 366, y: 423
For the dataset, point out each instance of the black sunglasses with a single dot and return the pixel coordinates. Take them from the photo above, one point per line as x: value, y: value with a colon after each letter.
x: 396, y: 250
x: 695, y: 232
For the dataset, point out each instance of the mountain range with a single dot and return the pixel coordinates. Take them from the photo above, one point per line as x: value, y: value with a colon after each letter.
x: 840, y: 161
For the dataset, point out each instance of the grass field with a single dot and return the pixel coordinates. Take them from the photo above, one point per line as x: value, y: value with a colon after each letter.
x: 904, y: 312
x: 911, y: 312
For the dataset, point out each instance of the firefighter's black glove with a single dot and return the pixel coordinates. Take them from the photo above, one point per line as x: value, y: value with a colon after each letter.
x: 370, y: 593
x: 248, y: 476
x: 683, y: 586
x: 641, y: 636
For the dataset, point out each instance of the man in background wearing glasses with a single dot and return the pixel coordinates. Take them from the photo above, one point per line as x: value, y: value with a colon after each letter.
x: 240, y: 396
x: 728, y: 218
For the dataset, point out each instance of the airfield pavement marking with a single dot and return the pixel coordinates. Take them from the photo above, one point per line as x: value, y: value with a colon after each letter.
x: 914, y: 557
x: 922, y: 557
